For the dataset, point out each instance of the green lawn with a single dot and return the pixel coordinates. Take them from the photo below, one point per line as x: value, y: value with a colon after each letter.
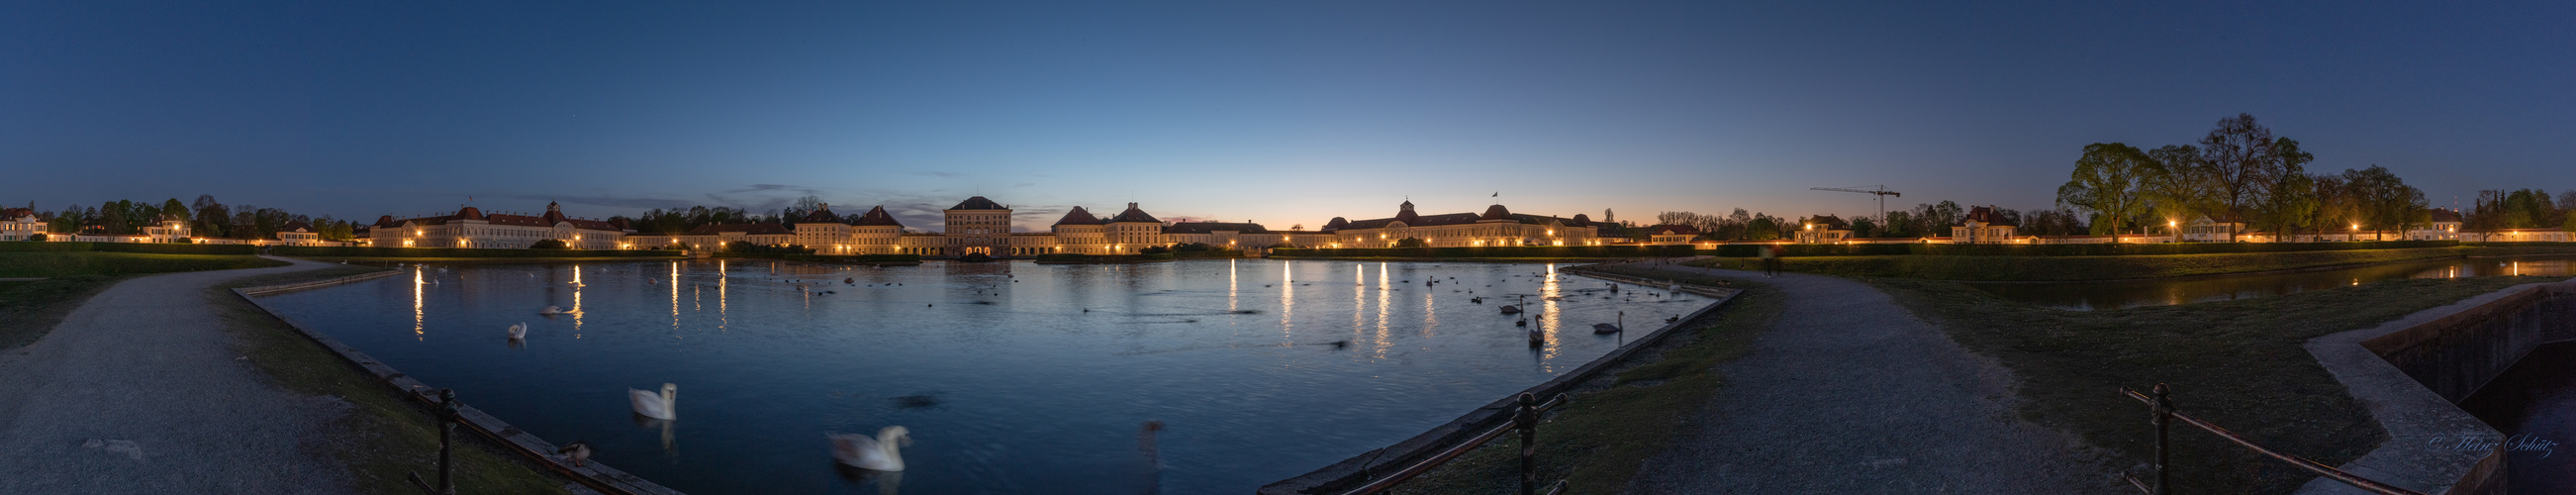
x: 1597, y: 441
x: 385, y: 436
x: 30, y: 309
x: 78, y: 263
x: 2239, y: 364
x: 2097, y: 268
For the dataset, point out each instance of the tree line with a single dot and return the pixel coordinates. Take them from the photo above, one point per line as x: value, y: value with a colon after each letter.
x: 2238, y: 173
x: 1924, y: 220
x: 206, y: 217
x: 2497, y: 209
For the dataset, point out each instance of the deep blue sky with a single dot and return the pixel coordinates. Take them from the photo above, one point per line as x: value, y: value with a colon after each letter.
x: 1281, y: 112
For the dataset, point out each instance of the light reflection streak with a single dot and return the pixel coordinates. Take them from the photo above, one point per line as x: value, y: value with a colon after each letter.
x: 1548, y: 292
x: 576, y: 300
x: 675, y: 294
x: 418, y: 283
x: 1287, y: 301
x: 1383, y: 296
x: 724, y: 284
x: 1230, y: 287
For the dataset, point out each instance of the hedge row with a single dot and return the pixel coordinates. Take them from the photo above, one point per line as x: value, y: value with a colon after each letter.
x: 1217, y: 254
x: 1103, y: 258
x: 856, y: 258
x: 129, y: 247
x: 1794, y: 250
x: 1491, y: 252
x: 388, y: 252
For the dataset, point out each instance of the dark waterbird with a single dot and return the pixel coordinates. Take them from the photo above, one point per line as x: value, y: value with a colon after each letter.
x: 1606, y: 328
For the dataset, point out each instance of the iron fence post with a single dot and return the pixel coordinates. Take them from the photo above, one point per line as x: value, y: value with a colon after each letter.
x: 1526, y: 420
x: 2164, y: 411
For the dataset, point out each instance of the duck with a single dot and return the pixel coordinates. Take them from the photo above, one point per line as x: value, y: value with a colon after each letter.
x: 551, y: 310
x: 656, y: 406
x: 1510, y: 309
x: 577, y: 452
x: 877, y: 454
x: 519, y: 331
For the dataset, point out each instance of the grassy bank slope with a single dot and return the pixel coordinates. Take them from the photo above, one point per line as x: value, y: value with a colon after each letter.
x: 29, y: 309
x: 1597, y: 441
x: 2239, y: 364
x: 385, y: 436
x: 80, y: 263
x: 2081, y: 268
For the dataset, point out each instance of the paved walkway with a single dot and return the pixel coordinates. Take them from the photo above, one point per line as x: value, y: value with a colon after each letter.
x: 139, y: 391
x: 1850, y: 393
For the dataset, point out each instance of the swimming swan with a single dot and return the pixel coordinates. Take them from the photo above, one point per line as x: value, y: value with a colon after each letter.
x: 519, y: 331
x: 656, y: 406
x: 871, y: 453
x: 551, y: 310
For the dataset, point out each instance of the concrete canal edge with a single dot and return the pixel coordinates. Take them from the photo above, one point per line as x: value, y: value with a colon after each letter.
x: 594, y: 475
x: 1361, y: 468
x: 2413, y: 372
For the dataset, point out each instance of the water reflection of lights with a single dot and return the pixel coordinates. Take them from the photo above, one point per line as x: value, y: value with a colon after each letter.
x: 1382, y: 299
x: 1287, y: 301
x: 418, y: 278
x: 1231, y: 287
x: 675, y: 294
x: 1548, y: 293
x: 576, y: 301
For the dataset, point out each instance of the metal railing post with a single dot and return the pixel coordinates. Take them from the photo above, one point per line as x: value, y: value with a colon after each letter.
x: 1526, y: 420
x: 2164, y: 411
x: 446, y: 446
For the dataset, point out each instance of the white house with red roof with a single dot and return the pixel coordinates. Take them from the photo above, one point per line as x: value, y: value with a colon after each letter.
x: 19, y: 224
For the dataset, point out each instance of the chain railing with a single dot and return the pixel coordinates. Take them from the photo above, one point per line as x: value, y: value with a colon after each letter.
x: 2160, y: 403
x: 1524, y: 420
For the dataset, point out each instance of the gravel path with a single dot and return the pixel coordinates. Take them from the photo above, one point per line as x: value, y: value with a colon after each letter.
x: 1850, y: 393
x: 139, y: 391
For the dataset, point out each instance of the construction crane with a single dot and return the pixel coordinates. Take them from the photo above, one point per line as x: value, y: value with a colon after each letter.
x: 1880, y: 191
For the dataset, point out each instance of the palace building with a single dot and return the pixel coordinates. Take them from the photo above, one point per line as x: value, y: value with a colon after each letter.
x: 980, y: 225
x: 471, y: 228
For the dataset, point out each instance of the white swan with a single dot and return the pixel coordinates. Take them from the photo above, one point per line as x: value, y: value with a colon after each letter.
x: 656, y: 406
x: 871, y: 453
x: 519, y: 331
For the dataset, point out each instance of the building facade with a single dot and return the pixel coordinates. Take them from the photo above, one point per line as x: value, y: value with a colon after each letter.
x: 469, y: 227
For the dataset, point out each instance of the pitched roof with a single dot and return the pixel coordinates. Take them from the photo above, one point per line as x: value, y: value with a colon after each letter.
x: 2442, y: 215
x: 295, y: 227
x: 978, y: 203
x: 468, y: 213
x: 1133, y: 214
x: 1213, y: 227
x: 1338, y: 223
x: 1673, y: 229
x: 745, y: 228
x: 1078, y: 216
x: 1986, y: 215
x: 877, y: 217
x: 822, y: 214
x: 16, y: 213
x: 1496, y: 212
x: 1580, y: 220
x: 1830, y: 222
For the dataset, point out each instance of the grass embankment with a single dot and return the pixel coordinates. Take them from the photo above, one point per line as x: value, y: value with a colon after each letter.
x: 1614, y: 423
x: 2238, y: 364
x: 2081, y: 268
x: 385, y: 436
x: 30, y: 309
x: 81, y: 263
x: 380, y: 261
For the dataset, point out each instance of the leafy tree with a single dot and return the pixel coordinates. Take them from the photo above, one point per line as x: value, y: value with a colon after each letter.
x: 2238, y: 157
x: 2385, y: 201
x: 211, y: 216
x: 174, y: 210
x: 1864, y: 227
x: 2106, y: 183
x: 1407, y: 242
x: 550, y: 244
x: 2177, y: 186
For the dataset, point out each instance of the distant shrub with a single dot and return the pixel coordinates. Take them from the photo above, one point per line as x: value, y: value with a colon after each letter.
x: 550, y: 244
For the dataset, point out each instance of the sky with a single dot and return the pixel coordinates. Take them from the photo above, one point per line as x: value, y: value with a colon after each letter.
x: 1284, y: 113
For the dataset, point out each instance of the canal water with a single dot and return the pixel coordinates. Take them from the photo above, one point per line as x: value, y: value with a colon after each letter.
x: 1012, y: 377
x: 2114, y: 295
x: 2534, y: 404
